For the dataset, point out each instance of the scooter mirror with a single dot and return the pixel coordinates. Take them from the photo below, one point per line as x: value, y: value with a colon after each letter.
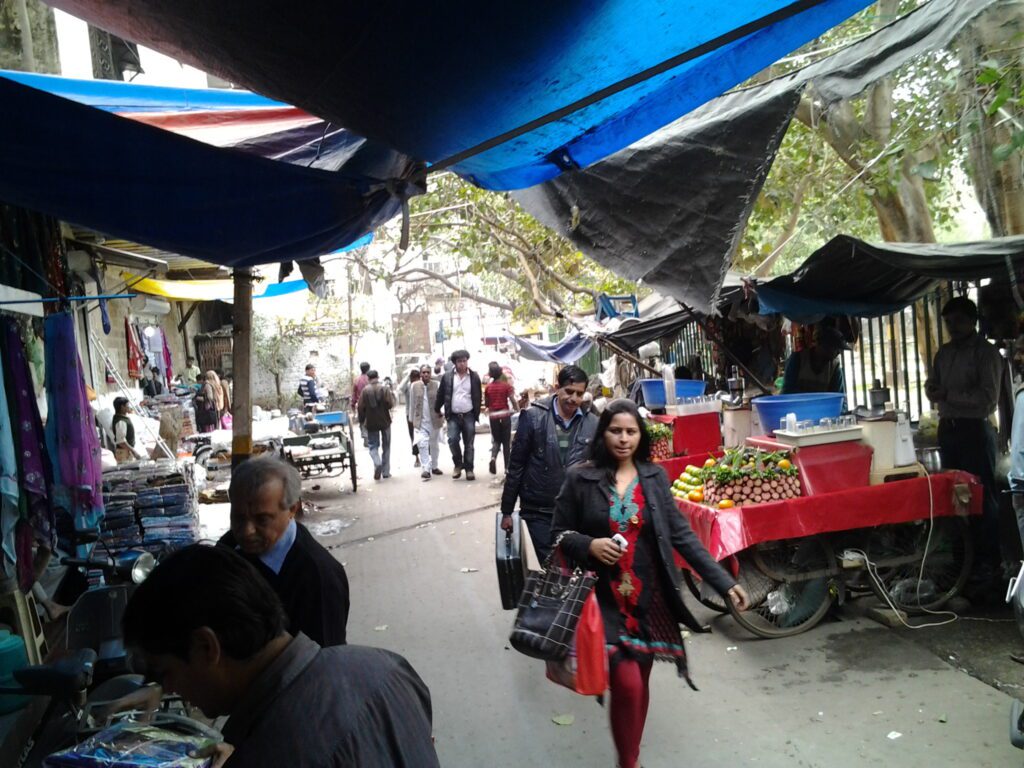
x: 142, y: 567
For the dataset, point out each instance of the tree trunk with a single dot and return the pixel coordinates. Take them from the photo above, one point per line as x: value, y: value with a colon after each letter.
x: 999, y: 185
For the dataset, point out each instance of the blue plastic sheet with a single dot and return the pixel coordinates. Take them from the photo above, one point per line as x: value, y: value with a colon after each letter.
x: 568, y: 350
x: 144, y: 184
x: 435, y: 79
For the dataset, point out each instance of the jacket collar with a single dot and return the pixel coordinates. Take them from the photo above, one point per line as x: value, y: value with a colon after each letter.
x: 590, y: 471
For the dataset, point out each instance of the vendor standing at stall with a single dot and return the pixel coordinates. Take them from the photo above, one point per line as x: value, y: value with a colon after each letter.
x: 124, y: 432
x: 817, y: 368
x: 964, y: 385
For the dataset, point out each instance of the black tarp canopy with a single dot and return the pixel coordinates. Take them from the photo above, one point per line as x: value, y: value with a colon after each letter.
x: 670, y: 209
x: 878, y: 280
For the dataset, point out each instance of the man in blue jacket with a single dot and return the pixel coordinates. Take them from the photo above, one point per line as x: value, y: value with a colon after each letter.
x: 553, y: 433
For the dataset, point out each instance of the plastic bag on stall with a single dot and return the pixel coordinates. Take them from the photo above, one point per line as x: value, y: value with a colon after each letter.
x: 133, y: 745
x: 585, y: 669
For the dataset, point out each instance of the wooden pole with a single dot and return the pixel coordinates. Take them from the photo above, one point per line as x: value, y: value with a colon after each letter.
x: 241, y: 362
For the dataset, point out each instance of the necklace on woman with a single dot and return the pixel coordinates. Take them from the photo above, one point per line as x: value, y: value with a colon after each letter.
x: 624, y: 510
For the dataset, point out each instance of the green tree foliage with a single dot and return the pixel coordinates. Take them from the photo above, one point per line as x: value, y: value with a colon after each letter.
x: 482, y: 246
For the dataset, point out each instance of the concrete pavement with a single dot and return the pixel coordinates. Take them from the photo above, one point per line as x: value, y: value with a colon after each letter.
x: 849, y: 693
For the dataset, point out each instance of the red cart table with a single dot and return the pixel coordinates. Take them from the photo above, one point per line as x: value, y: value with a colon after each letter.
x: 912, y: 533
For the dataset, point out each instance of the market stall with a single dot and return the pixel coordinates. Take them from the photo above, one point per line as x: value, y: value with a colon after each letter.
x: 801, y: 527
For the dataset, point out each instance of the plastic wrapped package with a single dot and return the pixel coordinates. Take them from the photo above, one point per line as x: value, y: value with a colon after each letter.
x: 133, y: 745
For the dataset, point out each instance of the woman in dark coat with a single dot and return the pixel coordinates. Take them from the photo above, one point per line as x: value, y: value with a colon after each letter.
x: 620, y: 492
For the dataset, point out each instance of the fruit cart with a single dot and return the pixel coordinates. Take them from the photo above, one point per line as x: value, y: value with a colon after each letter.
x: 802, y: 531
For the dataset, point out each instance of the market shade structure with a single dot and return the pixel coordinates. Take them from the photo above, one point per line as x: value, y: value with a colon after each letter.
x: 881, y: 279
x: 670, y: 209
x: 437, y: 81
x: 564, y: 352
x: 148, y: 185
x: 233, y: 119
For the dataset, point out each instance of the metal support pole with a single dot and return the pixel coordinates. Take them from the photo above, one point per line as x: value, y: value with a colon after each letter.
x: 351, y: 341
x: 241, y: 364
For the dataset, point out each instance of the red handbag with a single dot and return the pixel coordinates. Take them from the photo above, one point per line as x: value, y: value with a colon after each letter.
x: 585, y: 669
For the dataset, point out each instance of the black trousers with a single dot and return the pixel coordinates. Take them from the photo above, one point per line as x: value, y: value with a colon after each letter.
x: 970, y: 445
x: 538, y: 523
x: 501, y: 438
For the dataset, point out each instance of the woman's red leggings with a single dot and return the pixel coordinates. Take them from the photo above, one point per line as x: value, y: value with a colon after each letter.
x: 630, y: 694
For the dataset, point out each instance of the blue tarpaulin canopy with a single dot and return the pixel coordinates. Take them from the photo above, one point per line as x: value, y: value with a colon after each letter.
x: 142, y: 183
x: 565, y: 352
x: 509, y: 96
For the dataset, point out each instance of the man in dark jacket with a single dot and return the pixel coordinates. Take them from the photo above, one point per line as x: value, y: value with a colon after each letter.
x: 459, y: 396
x: 553, y: 434
x: 265, y: 497
x: 375, y: 404
x: 205, y: 626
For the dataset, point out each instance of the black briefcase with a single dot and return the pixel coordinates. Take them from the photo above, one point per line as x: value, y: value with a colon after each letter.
x: 511, y: 561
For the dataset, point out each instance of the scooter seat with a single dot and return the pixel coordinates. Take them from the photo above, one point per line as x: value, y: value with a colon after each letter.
x: 62, y: 678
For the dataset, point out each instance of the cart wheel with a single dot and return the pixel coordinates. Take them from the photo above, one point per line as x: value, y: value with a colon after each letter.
x: 791, y: 585
x: 897, y: 552
x: 352, y: 458
x: 704, y: 594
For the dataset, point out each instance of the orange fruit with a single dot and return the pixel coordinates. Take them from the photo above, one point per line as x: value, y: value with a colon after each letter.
x: 726, y: 504
x: 696, y: 496
x: 710, y: 463
x: 785, y: 464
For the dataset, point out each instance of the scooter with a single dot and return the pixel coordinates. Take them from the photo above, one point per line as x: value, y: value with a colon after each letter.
x: 96, y: 670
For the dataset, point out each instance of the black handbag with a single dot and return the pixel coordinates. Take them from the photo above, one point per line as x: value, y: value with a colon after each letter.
x: 549, y: 609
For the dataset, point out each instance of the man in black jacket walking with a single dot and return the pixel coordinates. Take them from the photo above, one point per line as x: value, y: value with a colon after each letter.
x: 459, y: 396
x: 375, y: 404
x: 553, y: 434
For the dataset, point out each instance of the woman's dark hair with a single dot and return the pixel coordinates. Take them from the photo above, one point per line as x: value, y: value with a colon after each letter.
x: 204, y: 586
x: 494, y: 371
x: 599, y: 453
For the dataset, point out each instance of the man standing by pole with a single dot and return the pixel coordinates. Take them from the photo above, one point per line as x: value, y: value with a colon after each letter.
x: 426, y: 421
x: 375, y: 404
x: 459, y: 395
x: 965, y: 387
x: 553, y: 434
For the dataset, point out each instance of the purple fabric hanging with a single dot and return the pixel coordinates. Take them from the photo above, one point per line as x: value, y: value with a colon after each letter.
x: 167, y: 361
x: 33, y: 458
x: 70, y: 431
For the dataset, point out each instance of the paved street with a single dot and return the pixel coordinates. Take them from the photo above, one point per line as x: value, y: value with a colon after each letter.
x: 831, y: 697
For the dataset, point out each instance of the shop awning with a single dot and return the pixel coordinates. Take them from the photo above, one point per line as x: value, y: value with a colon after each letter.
x: 878, y: 280
x: 565, y: 352
x: 670, y: 209
x: 439, y: 80
x: 144, y: 184
x: 207, y: 290
x: 230, y: 118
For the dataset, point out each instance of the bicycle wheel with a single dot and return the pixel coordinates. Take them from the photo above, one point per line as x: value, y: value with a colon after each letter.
x: 791, y: 585
x: 703, y: 593
x: 897, y: 552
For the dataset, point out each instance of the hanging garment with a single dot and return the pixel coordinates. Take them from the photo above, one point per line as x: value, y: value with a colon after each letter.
x: 70, y: 431
x: 168, y: 371
x: 134, y: 352
x: 8, y: 474
x: 35, y: 521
